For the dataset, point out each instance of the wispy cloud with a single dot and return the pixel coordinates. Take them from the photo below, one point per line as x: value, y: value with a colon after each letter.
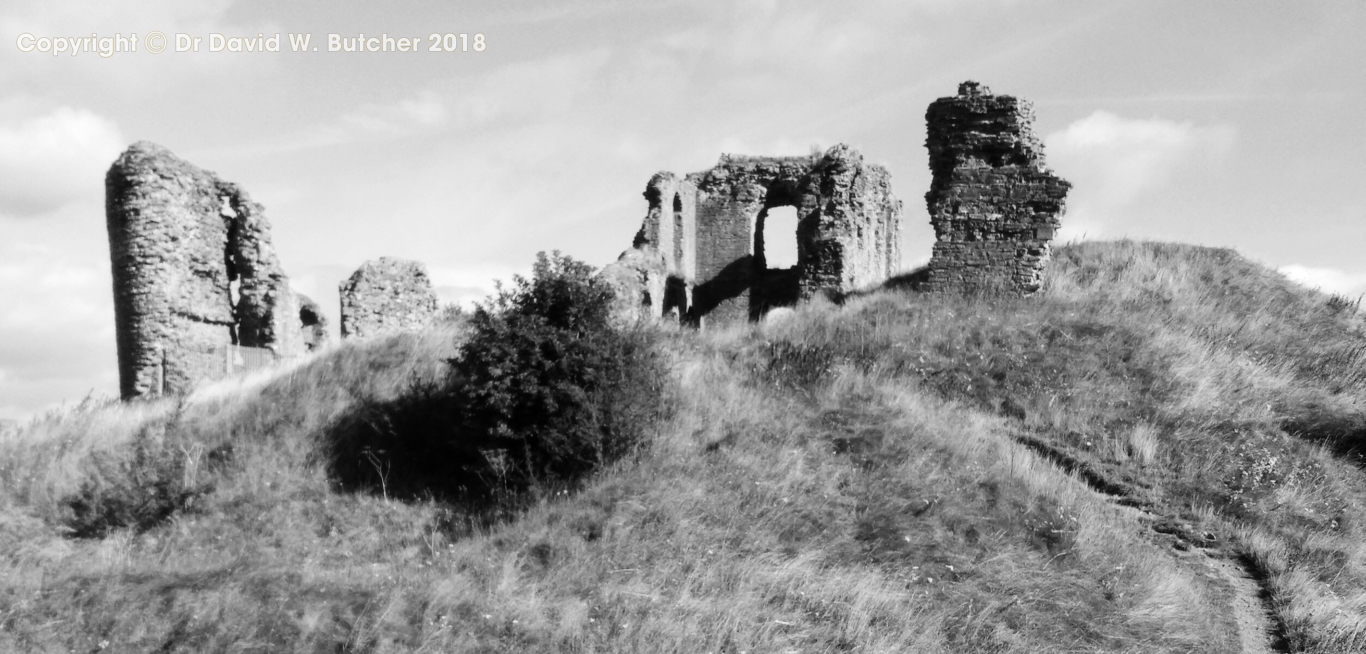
x: 1328, y: 280
x: 513, y: 95
x: 50, y: 160
x: 57, y: 329
x: 1114, y: 162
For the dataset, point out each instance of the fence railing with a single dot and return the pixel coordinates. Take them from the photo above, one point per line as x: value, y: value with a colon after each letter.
x: 223, y: 361
x: 240, y: 358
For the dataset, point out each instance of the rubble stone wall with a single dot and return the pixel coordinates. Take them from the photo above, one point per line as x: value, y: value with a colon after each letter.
x: 182, y: 244
x: 386, y: 295
x: 708, y: 227
x: 993, y: 204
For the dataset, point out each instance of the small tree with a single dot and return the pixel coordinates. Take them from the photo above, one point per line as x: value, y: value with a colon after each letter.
x: 548, y: 381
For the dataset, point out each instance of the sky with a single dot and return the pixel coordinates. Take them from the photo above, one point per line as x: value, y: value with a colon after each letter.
x: 1216, y: 123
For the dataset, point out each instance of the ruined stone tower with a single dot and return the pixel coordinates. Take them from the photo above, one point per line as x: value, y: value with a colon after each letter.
x: 700, y: 251
x: 386, y: 295
x: 194, y: 272
x: 993, y: 204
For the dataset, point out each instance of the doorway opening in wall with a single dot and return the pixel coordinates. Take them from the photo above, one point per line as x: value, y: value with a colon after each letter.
x: 775, y: 239
x: 775, y: 278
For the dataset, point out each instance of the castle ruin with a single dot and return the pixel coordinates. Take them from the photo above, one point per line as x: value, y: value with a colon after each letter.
x: 386, y: 295
x: 194, y: 273
x: 699, y: 254
x: 993, y: 204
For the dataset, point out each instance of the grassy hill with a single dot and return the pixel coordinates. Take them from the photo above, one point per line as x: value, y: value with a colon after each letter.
x: 1162, y: 451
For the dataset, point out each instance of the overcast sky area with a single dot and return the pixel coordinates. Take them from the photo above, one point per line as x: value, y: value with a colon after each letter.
x: 1226, y: 124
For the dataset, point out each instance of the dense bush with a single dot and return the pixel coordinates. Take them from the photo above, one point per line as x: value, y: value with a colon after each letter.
x: 545, y: 388
x: 550, y: 385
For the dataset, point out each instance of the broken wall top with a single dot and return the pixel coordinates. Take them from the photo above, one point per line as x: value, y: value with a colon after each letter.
x: 993, y: 203
x: 976, y: 129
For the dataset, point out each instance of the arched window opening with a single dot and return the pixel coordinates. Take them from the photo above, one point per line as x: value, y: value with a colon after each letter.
x: 775, y: 242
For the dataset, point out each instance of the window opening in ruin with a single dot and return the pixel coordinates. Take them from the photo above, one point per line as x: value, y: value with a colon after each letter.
x: 678, y: 228
x: 775, y: 238
x: 230, y: 264
x: 308, y: 318
x: 308, y: 324
x: 675, y: 298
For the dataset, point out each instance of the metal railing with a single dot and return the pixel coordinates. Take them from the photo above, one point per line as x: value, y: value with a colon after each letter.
x: 225, y: 361
x: 240, y: 358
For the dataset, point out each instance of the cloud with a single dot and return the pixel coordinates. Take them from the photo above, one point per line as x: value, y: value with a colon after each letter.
x: 1114, y: 162
x: 466, y: 286
x: 404, y: 116
x: 54, y: 159
x: 513, y: 96
x: 1328, y: 280
x: 57, y: 329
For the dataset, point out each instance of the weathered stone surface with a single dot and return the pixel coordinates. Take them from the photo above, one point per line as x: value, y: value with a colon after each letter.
x: 993, y: 204
x: 386, y: 295
x: 709, y: 229
x: 638, y: 278
x: 194, y: 271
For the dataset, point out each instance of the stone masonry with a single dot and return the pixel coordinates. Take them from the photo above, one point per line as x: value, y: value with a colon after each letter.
x: 194, y: 271
x: 386, y: 295
x: 699, y: 254
x: 993, y: 204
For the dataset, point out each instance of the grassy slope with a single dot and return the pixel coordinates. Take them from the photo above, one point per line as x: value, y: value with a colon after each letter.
x: 881, y: 476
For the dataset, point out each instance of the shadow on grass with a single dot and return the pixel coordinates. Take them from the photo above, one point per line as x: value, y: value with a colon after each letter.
x: 1343, y: 435
x: 412, y: 448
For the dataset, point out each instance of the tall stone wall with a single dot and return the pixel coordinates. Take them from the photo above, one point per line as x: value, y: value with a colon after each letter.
x: 193, y: 271
x: 386, y: 295
x: 699, y: 254
x: 993, y: 204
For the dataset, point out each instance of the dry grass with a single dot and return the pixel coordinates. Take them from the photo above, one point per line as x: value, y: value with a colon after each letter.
x: 850, y: 478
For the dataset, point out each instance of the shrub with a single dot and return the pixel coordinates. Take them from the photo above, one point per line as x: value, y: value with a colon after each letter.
x: 544, y: 388
x: 138, y: 489
x: 550, y: 385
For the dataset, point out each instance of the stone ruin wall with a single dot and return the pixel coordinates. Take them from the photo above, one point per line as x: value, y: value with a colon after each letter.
x: 993, y: 204
x: 193, y: 270
x: 387, y: 295
x: 699, y: 254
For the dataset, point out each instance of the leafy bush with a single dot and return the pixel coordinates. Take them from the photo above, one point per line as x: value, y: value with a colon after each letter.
x: 544, y: 388
x: 552, y: 387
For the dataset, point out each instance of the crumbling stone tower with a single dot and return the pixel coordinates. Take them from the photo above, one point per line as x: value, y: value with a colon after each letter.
x: 194, y: 271
x: 386, y: 295
x: 993, y: 204
x: 699, y: 253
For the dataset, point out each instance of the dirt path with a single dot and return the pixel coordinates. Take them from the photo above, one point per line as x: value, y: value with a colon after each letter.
x: 1259, y: 630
